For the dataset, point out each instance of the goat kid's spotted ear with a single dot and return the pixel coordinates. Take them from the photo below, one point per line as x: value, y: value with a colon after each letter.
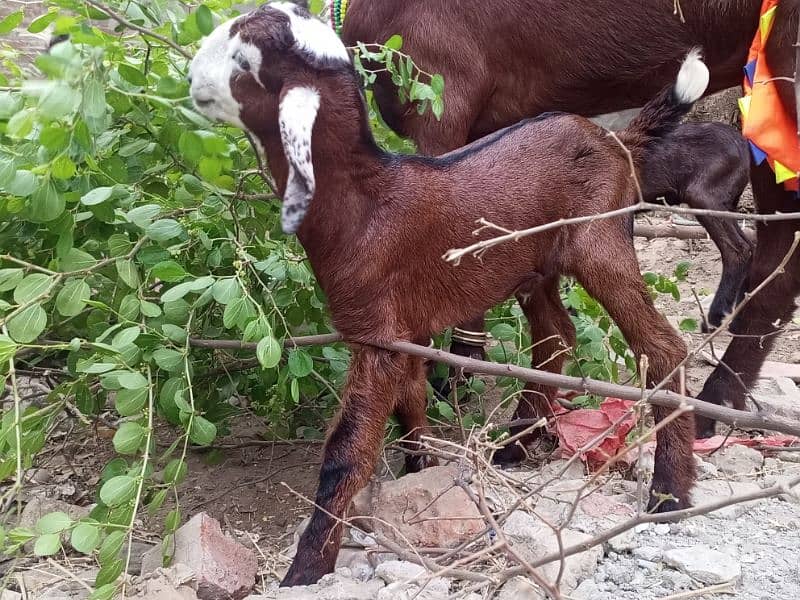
x: 297, y: 114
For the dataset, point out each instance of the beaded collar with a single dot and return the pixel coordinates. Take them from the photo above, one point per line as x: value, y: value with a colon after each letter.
x: 338, y: 8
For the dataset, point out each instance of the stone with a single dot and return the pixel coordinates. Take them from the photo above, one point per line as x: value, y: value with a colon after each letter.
x: 408, y: 580
x: 714, y: 490
x: 535, y: 540
x: 704, y: 564
x: 587, y: 590
x: 778, y: 397
x: 37, y: 507
x: 705, y: 470
x: 357, y: 561
x: 648, y: 553
x: 223, y: 568
x: 661, y: 529
x: 9, y: 595
x: 737, y: 461
x: 520, y: 588
x: 419, y: 509
x: 393, y: 571
x: 332, y: 587
x: 172, y: 583
x: 624, y: 542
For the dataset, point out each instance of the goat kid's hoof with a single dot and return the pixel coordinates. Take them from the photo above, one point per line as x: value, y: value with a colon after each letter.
x: 663, y: 503
x: 509, y: 456
x: 297, y: 576
x: 415, y: 464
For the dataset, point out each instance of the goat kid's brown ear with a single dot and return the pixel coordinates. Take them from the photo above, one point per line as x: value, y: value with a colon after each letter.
x: 297, y: 113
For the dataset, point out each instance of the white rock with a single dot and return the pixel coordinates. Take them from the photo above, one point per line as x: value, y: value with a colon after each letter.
x: 714, y: 490
x: 587, y: 590
x: 704, y: 564
x: 738, y: 461
x: 649, y: 553
x: 333, y: 587
x: 520, y: 588
x: 624, y: 542
x: 705, y: 470
x: 399, y: 570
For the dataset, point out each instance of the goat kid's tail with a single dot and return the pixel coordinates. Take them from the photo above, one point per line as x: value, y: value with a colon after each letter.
x: 664, y: 112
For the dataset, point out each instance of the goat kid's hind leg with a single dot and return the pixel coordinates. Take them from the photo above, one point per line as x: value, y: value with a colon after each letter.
x: 412, y: 401
x: 349, y: 459
x: 610, y: 273
x: 552, y: 332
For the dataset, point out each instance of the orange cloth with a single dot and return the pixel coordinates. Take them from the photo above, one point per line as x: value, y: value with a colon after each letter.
x: 765, y: 121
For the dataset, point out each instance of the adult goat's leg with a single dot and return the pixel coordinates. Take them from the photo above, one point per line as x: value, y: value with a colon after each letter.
x: 410, y: 411
x: 610, y: 273
x: 350, y: 454
x: 552, y: 333
x: 757, y: 326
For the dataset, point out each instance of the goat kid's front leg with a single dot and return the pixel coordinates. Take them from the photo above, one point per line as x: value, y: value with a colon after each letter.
x: 611, y: 274
x: 349, y: 459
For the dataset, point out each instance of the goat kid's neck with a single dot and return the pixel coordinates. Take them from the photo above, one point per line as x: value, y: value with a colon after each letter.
x: 349, y: 167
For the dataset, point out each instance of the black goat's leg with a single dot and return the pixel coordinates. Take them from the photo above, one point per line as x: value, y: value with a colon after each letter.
x: 350, y: 454
x: 756, y: 327
x: 468, y: 339
x: 552, y: 334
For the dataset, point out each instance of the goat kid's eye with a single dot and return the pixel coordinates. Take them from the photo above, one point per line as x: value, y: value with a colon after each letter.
x: 241, y: 61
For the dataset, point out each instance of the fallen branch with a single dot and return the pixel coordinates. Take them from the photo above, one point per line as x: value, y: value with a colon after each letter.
x: 730, y: 416
x: 681, y: 232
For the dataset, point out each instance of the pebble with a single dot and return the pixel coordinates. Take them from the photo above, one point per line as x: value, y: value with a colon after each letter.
x: 704, y: 564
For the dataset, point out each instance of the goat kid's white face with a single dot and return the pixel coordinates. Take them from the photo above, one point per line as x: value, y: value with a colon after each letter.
x: 224, y: 57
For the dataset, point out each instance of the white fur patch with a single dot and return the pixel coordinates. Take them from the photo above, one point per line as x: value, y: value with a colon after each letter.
x: 692, y: 78
x: 298, y: 111
x: 211, y: 70
x: 312, y: 35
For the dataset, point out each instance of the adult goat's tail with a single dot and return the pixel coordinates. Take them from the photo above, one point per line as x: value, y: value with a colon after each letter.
x: 664, y: 112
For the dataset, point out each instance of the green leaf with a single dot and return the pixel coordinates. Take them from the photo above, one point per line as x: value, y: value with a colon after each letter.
x: 59, y: 100
x: 446, y: 411
x: 300, y: 363
x: 132, y: 380
x: 111, y: 547
x: 203, y: 431
x: 94, y: 99
x: 268, y: 352
x: 85, y: 537
x: 237, y: 313
x: 169, y: 271
x: 10, y: 278
x: 39, y: 24
x: 47, y: 545
x: 688, y: 325
x: 104, y: 592
x: 131, y: 75
x: 172, y: 520
x: 46, y: 203
x: 126, y: 336
x: 109, y: 573
x: 128, y: 272
x: 7, y: 350
x: 395, y: 42
x: 118, y: 490
x: 175, y: 472
x: 149, y: 309
x: 226, y: 290
x: 77, y: 260
x: 27, y: 325
x: 167, y: 359
x: 205, y: 20
x: 11, y: 21
x: 504, y: 332
x: 54, y: 522
x: 130, y: 402
x: 174, y: 333
x: 179, y: 291
x: 164, y: 230
x: 129, y: 437
x: 97, y: 196
x: 71, y: 299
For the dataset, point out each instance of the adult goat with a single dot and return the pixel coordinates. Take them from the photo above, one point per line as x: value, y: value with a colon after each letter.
x: 375, y: 226
x: 505, y: 60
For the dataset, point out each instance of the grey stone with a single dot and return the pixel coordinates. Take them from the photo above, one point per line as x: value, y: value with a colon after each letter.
x: 704, y: 564
x: 520, y: 588
x: 587, y: 590
x: 624, y: 542
x: 357, y: 561
x: 408, y: 580
x: 649, y: 553
x: 38, y: 507
x: 705, y: 470
x: 714, y: 490
x: 332, y: 587
x: 777, y: 396
x: 738, y: 461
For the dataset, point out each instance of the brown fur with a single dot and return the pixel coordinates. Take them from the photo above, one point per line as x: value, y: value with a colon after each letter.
x: 377, y: 228
x: 504, y: 60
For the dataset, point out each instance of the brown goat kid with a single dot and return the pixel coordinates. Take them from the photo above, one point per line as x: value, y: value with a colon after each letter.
x: 504, y: 60
x: 375, y: 226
